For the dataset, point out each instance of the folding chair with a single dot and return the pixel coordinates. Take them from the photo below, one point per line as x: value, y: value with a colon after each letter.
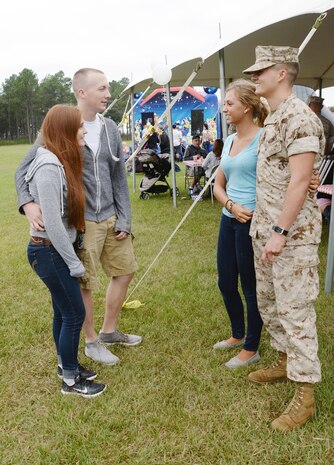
x: 325, y: 167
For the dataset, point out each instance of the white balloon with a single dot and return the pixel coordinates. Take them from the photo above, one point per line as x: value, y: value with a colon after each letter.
x: 156, y: 62
x: 161, y: 74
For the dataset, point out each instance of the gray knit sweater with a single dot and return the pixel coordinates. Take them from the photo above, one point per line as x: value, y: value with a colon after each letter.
x: 48, y: 188
x: 104, y: 179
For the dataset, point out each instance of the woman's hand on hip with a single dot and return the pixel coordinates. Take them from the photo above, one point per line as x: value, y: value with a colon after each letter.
x: 241, y: 213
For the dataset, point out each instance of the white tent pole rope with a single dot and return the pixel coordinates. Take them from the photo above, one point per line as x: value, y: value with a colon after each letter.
x: 164, y: 115
x: 121, y: 95
x: 173, y: 233
x: 140, y: 98
x: 309, y: 36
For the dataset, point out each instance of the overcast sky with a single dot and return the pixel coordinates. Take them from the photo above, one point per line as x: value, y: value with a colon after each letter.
x: 121, y: 37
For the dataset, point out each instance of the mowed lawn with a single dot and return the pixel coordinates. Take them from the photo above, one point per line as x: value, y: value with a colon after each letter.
x: 170, y: 401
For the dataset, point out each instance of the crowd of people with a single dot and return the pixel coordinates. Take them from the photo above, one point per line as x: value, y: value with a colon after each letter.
x: 72, y: 187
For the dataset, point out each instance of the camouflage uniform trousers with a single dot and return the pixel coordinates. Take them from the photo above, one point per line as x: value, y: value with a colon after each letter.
x: 286, y: 291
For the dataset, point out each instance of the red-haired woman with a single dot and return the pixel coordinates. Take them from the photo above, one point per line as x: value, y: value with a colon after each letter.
x: 55, y: 183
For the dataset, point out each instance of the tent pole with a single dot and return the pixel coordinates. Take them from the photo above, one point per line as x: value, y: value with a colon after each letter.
x: 170, y: 134
x: 133, y: 139
x: 222, y: 91
x: 320, y: 87
x: 330, y: 253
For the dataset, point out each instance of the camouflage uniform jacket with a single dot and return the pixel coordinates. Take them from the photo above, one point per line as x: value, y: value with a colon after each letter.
x: 291, y: 130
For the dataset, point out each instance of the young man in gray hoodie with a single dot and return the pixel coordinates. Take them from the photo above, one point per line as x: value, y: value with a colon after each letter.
x: 108, y: 237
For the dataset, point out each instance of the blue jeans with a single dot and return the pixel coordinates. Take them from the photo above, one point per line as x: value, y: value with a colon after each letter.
x: 178, y: 151
x: 68, y: 306
x: 235, y: 258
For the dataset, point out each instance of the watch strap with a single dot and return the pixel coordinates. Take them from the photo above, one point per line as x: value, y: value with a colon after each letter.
x: 279, y: 230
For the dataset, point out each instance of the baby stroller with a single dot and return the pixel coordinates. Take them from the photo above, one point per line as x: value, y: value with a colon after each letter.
x: 155, y: 169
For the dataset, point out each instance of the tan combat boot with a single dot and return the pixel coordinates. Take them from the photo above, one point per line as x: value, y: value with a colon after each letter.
x: 300, y: 409
x: 271, y: 374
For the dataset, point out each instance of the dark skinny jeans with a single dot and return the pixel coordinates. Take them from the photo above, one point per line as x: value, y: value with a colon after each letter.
x: 235, y: 258
x: 67, y: 303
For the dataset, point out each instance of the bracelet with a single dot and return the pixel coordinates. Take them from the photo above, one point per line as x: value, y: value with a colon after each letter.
x: 231, y: 205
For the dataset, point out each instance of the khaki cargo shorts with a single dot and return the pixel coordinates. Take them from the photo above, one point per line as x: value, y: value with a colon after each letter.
x: 100, y: 246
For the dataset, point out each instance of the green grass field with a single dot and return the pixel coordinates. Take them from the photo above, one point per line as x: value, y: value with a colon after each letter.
x: 170, y: 401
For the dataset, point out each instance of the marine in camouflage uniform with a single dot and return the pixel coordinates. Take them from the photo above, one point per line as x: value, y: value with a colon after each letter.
x: 291, y: 144
x: 287, y: 287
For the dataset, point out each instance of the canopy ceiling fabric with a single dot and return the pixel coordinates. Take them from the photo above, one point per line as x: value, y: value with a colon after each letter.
x: 317, y: 59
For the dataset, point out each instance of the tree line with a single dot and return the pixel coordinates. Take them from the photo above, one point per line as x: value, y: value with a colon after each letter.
x: 24, y: 101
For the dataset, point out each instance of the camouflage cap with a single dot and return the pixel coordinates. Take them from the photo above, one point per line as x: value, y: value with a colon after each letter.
x: 270, y: 55
x: 315, y: 99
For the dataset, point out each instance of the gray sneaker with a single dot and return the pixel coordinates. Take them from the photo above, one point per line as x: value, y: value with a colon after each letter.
x: 235, y: 362
x: 117, y: 337
x: 99, y: 353
x: 227, y: 345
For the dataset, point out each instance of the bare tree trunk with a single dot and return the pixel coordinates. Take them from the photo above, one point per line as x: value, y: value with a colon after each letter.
x: 17, y: 126
x: 28, y: 125
x: 9, y: 128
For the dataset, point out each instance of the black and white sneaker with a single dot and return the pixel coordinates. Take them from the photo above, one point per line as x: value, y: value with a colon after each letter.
x: 83, y: 372
x: 84, y: 388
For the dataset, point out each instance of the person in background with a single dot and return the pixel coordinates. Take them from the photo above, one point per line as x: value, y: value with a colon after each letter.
x: 55, y: 184
x: 235, y: 189
x: 316, y: 105
x: 177, y: 142
x: 153, y: 138
x: 194, y: 151
x: 127, y: 154
x: 213, y: 158
x: 163, y: 141
x: 108, y: 238
x: 126, y: 150
x: 206, y: 138
x: 325, y: 205
x: 286, y: 231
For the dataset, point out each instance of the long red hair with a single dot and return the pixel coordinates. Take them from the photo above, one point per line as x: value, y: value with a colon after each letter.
x: 59, y: 131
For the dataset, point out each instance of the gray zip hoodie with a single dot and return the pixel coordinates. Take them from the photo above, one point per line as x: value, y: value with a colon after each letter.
x: 104, y: 178
x: 48, y: 188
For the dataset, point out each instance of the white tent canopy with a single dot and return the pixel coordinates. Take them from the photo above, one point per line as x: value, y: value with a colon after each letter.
x: 276, y: 23
x: 279, y: 23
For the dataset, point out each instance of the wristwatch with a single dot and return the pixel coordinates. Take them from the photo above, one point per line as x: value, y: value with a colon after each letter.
x: 279, y: 230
